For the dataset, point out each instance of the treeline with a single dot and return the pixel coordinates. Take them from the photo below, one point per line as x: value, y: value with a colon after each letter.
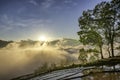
x: 100, y: 26
x: 4, y: 43
x: 23, y: 43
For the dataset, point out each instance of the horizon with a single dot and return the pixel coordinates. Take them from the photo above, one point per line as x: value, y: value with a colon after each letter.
x: 39, y: 40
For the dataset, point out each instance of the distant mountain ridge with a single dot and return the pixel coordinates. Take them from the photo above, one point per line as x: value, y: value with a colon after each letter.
x: 65, y: 42
x: 57, y: 42
x: 4, y: 43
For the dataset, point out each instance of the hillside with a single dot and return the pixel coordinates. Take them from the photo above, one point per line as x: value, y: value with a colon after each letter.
x: 102, y: 67
x: 64, y: 42
x: 4, y: 43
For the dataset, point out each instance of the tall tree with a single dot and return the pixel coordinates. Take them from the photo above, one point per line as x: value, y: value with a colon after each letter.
x: 107, y: 16
x: 101, y: 23
x: 88, y: 31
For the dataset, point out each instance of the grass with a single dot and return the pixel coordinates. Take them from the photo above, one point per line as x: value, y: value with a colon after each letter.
x: 107, y: 61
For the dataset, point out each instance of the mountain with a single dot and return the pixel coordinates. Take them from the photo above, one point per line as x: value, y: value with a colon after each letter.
x: 64, y: 42
x: 69, y: 45
x: 4, y: 43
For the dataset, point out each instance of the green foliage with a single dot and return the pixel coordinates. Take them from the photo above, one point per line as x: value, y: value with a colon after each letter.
x: 107, y: 16
x: 89, y: 37
x: 92, y: 50
x: 82, y: 56
x: 92, y: 58
x: 107, y: 61
x: 89, y: 33
x: 101, y: 25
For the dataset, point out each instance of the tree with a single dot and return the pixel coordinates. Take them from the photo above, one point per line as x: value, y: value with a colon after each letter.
x: 101, y: 23
x: 83, y: 56
x: 101, y: 19
x: 88, y: 31
x: 107, y: 15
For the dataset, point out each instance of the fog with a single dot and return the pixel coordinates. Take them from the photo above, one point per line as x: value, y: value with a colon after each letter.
x: 16, y: 61
x: 24, y: 57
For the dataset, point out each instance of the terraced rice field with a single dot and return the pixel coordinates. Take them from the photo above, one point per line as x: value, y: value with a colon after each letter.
x: 61, y: 74
x: 76, y: 74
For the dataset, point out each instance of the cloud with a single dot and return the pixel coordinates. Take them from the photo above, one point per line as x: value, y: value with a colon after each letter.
x: 68, y: 1
x: 16, y: 60
x: 22, y: 9
x: 24, y: 28
x: 7, y: 23
x: 47, y: 3
x: 33, y: 2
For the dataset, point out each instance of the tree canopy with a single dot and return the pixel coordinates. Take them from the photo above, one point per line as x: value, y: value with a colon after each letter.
x: 101, y: 25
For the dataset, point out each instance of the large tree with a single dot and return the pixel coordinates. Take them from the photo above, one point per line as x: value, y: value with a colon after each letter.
x: 88, y: 31
x: 106, y: 15
x: 101, y: 23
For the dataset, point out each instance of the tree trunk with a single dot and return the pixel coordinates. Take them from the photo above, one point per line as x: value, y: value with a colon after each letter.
x: 108, y: 51
x: 114, y: 68
x: 113, y: 36
x: 112, y: 42
x: 112, y: 49
x: 101, y: 52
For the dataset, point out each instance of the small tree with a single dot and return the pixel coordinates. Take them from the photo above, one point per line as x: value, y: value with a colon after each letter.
x: 82, y: 56
x: 42, y: 68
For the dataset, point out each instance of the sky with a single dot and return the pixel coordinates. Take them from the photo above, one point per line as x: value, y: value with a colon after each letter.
x: 30, y: 19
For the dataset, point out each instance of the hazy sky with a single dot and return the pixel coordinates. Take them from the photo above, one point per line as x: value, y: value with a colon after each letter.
x: 29, y: 19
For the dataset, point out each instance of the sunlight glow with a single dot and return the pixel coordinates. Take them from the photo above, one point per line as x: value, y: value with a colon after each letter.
x: 42, y: 38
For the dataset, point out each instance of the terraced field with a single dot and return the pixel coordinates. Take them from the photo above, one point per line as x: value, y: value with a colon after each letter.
x: 76, y: 74
x: 61, y: 75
